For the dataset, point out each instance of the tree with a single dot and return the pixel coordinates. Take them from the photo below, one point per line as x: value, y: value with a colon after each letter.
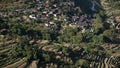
x: 97, y: 39
x: 68, y: 34
x: 47, y: 37
x: 46, y: 57
x: 73, y: 39
x: 70, y: 31
x: 82, y: 63
x: 65, y: 50
x: 108, y: 35
x: 87, y: 36
x: 98, y: 24
x: 78, y: 38
x: 28, y: 52
x: 60, y: 39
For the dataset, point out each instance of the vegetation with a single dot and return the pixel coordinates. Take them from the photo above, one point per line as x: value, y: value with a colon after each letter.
x: 53, y: 34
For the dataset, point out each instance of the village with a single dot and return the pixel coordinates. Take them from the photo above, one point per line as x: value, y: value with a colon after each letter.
x: 54, y: 13
x: 58, y: 34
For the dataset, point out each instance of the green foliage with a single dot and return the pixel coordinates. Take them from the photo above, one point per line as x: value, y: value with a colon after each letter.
x: 108, y: 35
x: 47, y: 37
x: 98, y: 23
x: 24, y: 49
x: 68, y: 33
x: 82, y: 63
x: 60, y: 39
x: 77, y: 39
x: 46, y: 57
x: 92, y: 47
x: 87, y: 36
x: 64, y: 49
x: 97, y: 39
x: 102, y: 14
x: 28, y: 51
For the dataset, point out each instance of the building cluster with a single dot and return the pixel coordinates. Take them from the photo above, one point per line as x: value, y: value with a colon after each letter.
x: 52, y: 11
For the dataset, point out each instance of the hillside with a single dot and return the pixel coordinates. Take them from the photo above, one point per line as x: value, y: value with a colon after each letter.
x: 59, y: 34
x: 111, y: 7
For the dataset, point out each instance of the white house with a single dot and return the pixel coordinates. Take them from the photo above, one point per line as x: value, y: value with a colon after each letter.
x: 32, y: 17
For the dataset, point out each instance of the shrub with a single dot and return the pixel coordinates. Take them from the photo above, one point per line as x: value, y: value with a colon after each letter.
x: 82, y: 63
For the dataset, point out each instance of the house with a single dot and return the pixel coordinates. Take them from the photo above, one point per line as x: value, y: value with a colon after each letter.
x: 50, y: 12
x: 55, y: 18
x: 55, y: 5
x: 47, y: 25
x: 33, y: 17
x: 54, y: 15
x: 72, y: 25
x: 111, y: 22
x: 83, y: 30
x: 51, y: 23
x: 44, y: 12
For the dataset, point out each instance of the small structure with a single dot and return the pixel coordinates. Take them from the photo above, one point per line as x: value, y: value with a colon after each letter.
x: 111, y: 22
x: 55, y: 5
x: 51, y: 23
x: 50, y: 12
x: 32, y: 17
x: 44, y: 12
x: 55, y: 18
x: 47, y: 25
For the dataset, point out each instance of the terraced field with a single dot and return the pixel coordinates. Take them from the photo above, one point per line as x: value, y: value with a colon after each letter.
x: 111, y: 7
x: 66, y: 59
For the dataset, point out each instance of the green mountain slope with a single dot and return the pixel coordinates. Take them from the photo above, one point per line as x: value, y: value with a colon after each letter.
x: 59, y: 34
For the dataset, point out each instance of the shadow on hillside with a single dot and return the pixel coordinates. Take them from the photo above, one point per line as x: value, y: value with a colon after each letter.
x: 86, y: 5
x: 116, y: 41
